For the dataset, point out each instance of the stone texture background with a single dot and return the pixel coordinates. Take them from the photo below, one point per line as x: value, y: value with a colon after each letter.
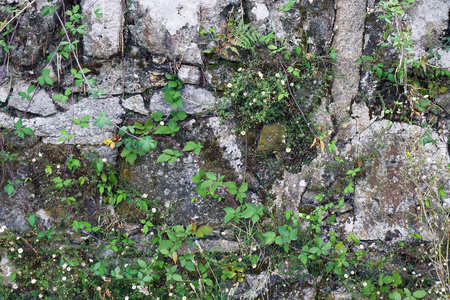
x: 138, y: 41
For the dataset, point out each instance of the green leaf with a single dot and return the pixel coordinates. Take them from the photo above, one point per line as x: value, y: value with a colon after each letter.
x: 177, y: 277
x: 203, y: 230
x: 163, y: 157
x: 31, y: 89
x: 142, y: 264
x: 419, y: 294
x: 272, y: 47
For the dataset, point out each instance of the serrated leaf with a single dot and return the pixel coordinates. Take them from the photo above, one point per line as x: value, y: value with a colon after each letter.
x: 163, y: 158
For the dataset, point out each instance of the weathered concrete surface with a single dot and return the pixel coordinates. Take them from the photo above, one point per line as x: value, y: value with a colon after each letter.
x: 135, y: 103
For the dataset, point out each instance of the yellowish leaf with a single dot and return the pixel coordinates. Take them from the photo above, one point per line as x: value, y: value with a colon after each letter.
x: 322, y: 146
x: 175, y: 257
x: 314, y: 143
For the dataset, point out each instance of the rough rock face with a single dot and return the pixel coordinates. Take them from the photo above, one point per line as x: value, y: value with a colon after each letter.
x: 42, y: 104
x: 386, y: 199
x: 172, y: 27
x: 197, y: 101
x: 50, y: 128
x: 171, y: 183
x: 103, y: 35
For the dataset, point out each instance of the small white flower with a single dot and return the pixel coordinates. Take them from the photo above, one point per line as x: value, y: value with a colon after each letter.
x: 20, y: 250
x: 364, y: 283
x: 2, y: 229
x: 64, y: 278
x: 347, y: 108
x: 133, y: 287
x: 245, y: 94
x: 229, y: 85
x: 33, y: 160
x: 361, y: 247
x: 254, y: 99
x: 239, y: 259
x: 292, y: 84
x: 83, y: 264
x: 242, y: 132
x: 161, y: 123
x: 254, y: 266
x: 352, y: 272
x: 15, y: 286
x: 41, y: 296
x: 58, y: 166
x: 167, y: 205
x: 223, y: 233
x: 19, y: 256
x: 153, y: 210
x: 99, y: 288
x: 346, y: 275
x: 170, y: 294
x: 144, y: 195
x: 282, y: 82
x: 37, y: 240
x: 184, y: 298
x: 64, y: 266
x: 68, y: 269
x: 126, y: 298
x: 104, y: 160
x: 308, y: 217
x: 288, y: 150
x: 104, y: 278
x: 232, y: 94
x: 260, y: 75
x: 12, y: 249
x: 40, y: 154
x: 263, y: 93
x: 33, y: 281
x: 240, y: 69
x: 277, y: 75
x: 55, y: 288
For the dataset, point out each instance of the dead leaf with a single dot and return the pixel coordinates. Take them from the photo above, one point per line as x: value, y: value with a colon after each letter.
x: 175, y: 257
x: 314, y: 143
x: 322, y: 146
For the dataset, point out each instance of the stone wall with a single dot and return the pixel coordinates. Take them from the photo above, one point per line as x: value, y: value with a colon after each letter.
x: 137, y: 41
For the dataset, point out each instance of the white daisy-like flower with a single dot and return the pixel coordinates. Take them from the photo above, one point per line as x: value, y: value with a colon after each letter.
x: 58, y: 166
x: 133, y: 287
x: 126, y: 297
x: 240, y: 69
x: 20, y: 250
x: 364, y: 283
x: 161, y: 123
x: 41, y: 296
x: 33, y: 281
x: 292, y: 84
x: 55, y: 288
x: 33, y: 160
x: 64, y: 278
x: 153, y: 210
x: 232, y: 94
x: 277, y: 75
x: 288, y: 150
x: 260, y: 75
x: 308, y: 217
x: 229, y: 85
x: 245, y: 94
x: 40, y: 154
x: 15, y: 286
x: 167, y: 205
x: 104, y: 160
x: 263, y: 93
x: 68, y: 269
x: 83, y: 264
x: 361, y: 246
x: 242, y: 132
x: 254, y: 99
x: 184, y: 298
x: 2, y: 229
x: 347, y: 108
x: 99, y: 288
x: 144, y: 195
x: 282, y: 82
x: 346, y: 275
x: 239, y: 259
x: 254, y: 266
x: 170, y: 294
